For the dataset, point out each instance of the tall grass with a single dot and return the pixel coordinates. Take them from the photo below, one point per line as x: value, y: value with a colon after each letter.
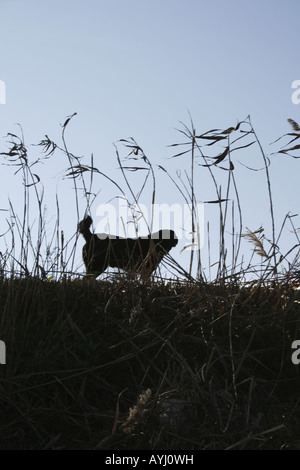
x: 197, y: 361
x: 32, y: 251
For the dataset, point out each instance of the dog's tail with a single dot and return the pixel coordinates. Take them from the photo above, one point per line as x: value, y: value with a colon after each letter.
x: 84, y: 227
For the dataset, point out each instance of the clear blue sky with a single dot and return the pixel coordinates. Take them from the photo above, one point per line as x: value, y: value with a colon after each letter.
x: 137, y: 68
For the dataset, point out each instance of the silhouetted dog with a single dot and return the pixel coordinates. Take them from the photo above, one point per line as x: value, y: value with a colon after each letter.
x: 138, y: 255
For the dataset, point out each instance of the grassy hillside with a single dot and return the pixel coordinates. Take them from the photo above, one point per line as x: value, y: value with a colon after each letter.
x: 200, y: 361
x: 127, y: 366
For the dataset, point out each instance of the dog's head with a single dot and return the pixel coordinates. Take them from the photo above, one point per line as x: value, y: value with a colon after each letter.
x: 166, y: 238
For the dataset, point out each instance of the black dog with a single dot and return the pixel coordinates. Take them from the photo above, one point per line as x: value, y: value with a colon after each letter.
x: 138, y: 255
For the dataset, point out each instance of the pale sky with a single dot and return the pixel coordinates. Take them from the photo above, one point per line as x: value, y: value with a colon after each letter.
x: 137, y: 68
